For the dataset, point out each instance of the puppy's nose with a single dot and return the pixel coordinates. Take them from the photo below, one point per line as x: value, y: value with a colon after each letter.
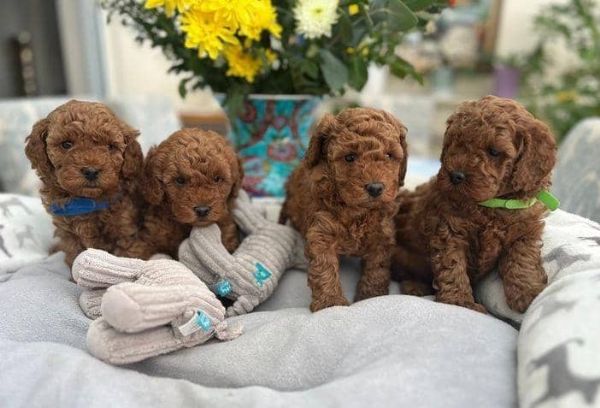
x: 202, y: 211
x: 90, y: 173
x: 457, y: 177
x: 374, y: 189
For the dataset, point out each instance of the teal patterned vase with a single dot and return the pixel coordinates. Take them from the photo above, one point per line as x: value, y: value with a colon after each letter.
x: 271, y: 134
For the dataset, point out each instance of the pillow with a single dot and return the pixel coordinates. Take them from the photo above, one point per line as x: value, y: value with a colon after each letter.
x: 153, y: 116
x: 25, y: 232
x: 559, y: 340
x: 571, y: 245
x: 17, y: 117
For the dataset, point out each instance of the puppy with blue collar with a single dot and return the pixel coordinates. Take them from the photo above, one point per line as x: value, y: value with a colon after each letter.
x: 89, y: 163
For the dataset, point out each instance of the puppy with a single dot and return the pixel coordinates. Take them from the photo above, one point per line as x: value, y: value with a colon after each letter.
x: 493, y: 148
x: 342, y: 198
x: 191, y: 179
x: 89, y: 162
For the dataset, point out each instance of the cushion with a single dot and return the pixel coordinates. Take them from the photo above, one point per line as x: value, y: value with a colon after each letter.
x: 154, y: 117
x: 17, y: 117
x: 25, y: 232
x: 577, y: 174
x: 559, y: 340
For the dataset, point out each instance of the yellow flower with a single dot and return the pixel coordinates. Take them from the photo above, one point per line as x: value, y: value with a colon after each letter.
x: 210, y: 25
x: 241, y: 64
x: 271, y: 56
x: 169, y: 5
x: 353, y: 9
x: 230, y: 13
x: 566, y: 96
x: 262, y: 17
x: 205, y: 32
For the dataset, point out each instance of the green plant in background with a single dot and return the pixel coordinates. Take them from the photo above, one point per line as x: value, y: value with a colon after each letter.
x: 565, y: 97
x: 315, y: 47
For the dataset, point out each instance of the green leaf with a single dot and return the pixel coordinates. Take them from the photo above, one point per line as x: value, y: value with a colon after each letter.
x: 400, y: 17
x: 334, y: 70
x: 183, y: 86
x: 358, y: 72
x: 401, y: 68
x: 417, y: 5
x: 344, y: 28
x: 234, y: 100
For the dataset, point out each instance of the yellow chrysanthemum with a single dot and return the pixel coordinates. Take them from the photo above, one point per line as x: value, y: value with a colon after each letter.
x: 230, y: 13
x: 169, y: 5
x: 241, y: 64
x: 271, y: 56
x: 264, y: 17
x: 205, y: 32
x: 566, y: 96
x: 353, y: 9
x: 213, y: 25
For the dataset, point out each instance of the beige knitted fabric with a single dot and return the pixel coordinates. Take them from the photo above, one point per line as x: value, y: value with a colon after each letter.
x: 150, y: 307
x: 251, y: 274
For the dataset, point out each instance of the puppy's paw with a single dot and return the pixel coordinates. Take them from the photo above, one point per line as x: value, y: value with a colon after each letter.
x: 415, y: 288
x: 363, y: 292
x: 464, y: 303
x: 327, y: 301
x: 520, y: 297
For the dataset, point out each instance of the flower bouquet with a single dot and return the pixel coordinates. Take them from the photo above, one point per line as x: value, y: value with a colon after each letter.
x: 272, y: 59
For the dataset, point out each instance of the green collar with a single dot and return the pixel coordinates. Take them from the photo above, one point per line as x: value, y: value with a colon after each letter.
x: 545, y: 197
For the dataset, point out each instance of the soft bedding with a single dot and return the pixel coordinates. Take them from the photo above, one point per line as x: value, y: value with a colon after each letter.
x: 389, y: 351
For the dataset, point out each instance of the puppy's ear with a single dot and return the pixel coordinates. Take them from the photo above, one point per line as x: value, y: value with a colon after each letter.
x: 537, y: 156
x: 35, y: 150
x: 317, y: 147
x: 133, y: 158
x: 237, y: 172
x: 400, y: 131
x: 151, y: 186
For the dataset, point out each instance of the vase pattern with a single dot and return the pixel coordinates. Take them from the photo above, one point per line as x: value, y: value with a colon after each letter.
x: 271, y: 137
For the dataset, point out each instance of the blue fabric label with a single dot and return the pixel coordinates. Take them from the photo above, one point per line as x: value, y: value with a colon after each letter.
x: 223, y: 288
x: 203, y: 321
x: 261, y: 274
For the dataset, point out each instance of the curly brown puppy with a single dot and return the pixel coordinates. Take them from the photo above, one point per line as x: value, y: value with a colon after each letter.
x: 190, y: 179
x: 493, y: 148
x: 89, y: 162
x: 342, y: 198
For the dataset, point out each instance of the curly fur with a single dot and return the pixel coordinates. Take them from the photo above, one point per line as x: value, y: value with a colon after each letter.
x: 446, y: 239
x: 102, y: 141
x: 328, y: 203
x: 212, y: 175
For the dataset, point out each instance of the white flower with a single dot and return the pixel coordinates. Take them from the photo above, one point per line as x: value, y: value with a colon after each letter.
x: 314, y: 18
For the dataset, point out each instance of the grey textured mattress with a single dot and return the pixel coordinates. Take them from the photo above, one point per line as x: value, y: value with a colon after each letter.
x: 396, y: 350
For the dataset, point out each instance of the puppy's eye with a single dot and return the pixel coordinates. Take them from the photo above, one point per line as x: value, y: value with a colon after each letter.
x: 112, y: 147
x: 180, y: 181
x: 350, y: 157
x: 67, y: 144
x: 218, y: 179
x: 493, y: 152
x: 389, y: 156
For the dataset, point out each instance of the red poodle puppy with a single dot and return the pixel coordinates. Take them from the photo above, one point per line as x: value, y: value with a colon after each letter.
x: 342, y: 198
x: 484, y: 209
x: 190, y: 179
x: 89, y: 162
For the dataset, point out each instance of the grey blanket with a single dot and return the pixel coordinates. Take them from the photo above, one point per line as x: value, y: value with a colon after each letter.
x: 395, y: 351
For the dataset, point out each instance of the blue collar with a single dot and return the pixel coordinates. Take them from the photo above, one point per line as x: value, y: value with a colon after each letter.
x: 78, y: 206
